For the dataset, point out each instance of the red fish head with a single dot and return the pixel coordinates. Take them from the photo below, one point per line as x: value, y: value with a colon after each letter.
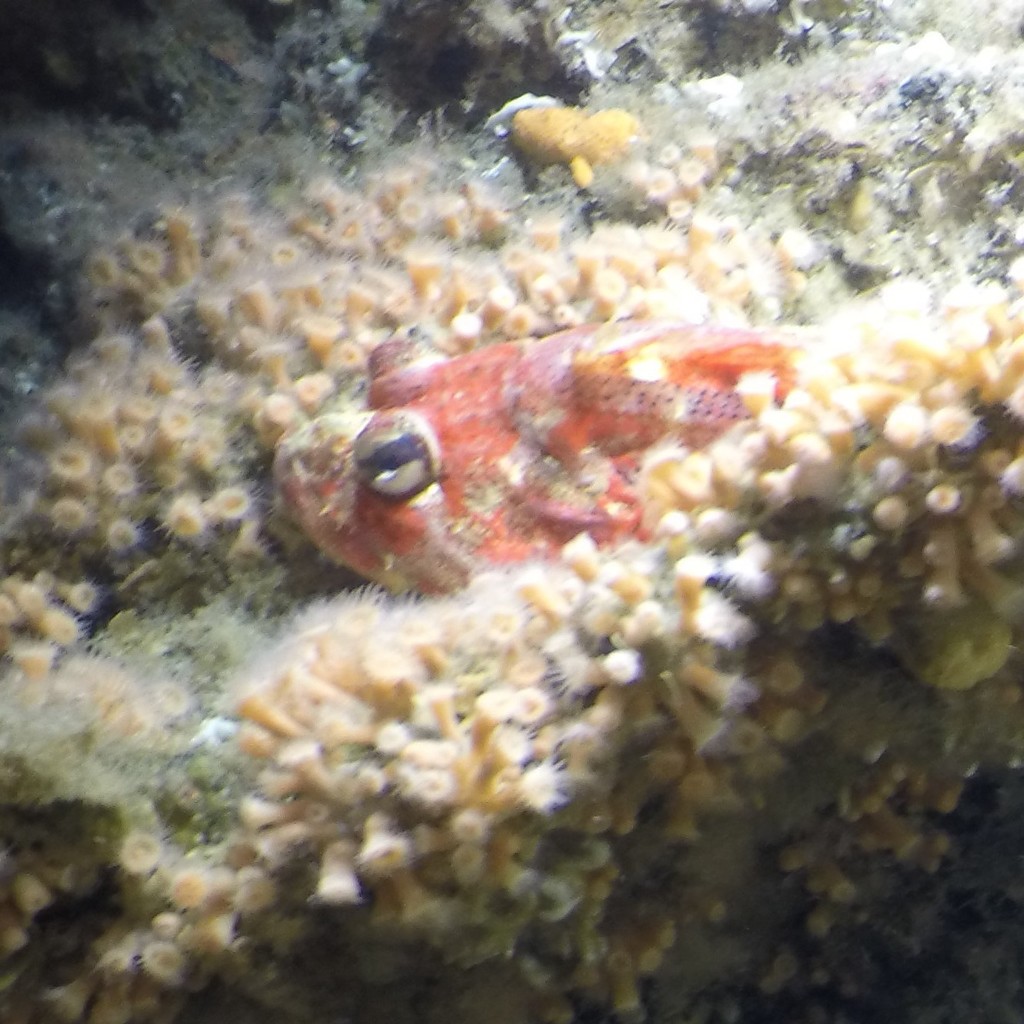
x: 364, y: 486
x: 432, y: 482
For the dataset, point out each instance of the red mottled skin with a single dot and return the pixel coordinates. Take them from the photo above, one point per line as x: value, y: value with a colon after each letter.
x: 539, y: 440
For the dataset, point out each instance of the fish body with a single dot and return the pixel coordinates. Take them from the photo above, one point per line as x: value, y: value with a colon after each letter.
x: 506, y: 452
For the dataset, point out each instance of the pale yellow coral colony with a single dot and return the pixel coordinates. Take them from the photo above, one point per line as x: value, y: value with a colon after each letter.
x: 495, y: 776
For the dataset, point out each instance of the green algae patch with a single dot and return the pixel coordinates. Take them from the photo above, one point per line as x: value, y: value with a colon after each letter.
x: 955, y: 649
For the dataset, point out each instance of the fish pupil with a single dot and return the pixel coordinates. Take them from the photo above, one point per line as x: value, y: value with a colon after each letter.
x: 393, y: 454
x: 398, y: 466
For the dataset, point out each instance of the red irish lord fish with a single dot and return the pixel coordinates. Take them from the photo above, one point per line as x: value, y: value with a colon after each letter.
x: 508, y: 451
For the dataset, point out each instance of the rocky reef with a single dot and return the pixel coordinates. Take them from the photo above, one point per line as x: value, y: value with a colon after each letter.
x: 758, y: 762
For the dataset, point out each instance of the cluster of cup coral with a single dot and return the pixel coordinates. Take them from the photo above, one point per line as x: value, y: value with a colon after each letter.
x: 541, y: 785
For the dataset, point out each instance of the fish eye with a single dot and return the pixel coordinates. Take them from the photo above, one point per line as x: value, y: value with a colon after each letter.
x: 397, y: 455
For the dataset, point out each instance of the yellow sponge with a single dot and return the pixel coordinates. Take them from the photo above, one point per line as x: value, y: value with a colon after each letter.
x: 569, y: 135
